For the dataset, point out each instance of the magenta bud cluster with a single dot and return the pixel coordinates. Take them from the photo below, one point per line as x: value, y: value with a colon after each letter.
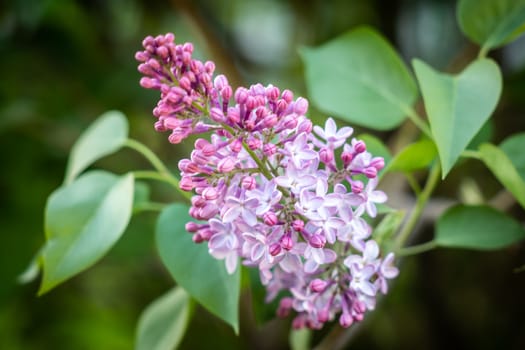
x: 271, y: 190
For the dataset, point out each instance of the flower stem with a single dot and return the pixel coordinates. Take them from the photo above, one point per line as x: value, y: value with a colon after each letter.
x: 164, y: 177
x: 416, y: 249
x: 149, y: 206
x: 148, y: 154
x: 162, y: 173
x: 422, y: 200
x: 420, y: 123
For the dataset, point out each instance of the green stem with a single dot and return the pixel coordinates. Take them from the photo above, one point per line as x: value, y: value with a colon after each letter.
x: 419, y: 122
x: 483, y: 52
x: 422, y: 200
x: 416, y: 249
x: 164, y: 177
x: 471, y: 154
x: 413, y: 183
x: 149, y: 206
x: 162, y: 173
x: 148, y: 154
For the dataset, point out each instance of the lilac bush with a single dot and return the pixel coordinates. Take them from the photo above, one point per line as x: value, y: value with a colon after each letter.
x: 270, y: 189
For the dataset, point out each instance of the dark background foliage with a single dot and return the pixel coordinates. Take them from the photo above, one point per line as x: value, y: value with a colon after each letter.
x: 65, y: 62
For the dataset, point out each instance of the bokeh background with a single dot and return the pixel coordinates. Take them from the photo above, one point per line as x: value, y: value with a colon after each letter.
x: 63, y: 63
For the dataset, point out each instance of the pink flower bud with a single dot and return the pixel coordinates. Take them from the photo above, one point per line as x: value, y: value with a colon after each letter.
x: 346, y: 320
x: 241, y: 94
x: 269, y: 149
x: 290, y: 122
x: 378, y: 163
x: 192, y: 167
x: 270, y: 218
x: 298, y: 225
x: 236, y: 145
x: 217, y: 115
x: 162, y: 52
x: 210, y: 193
x: 198, y: 157
x: 187, y: 47
x: 357, y: 187
x: 305, y: 126
x: 226, y: 165
x: 148, y: 83
x: 282, y: 105
x: 226, y: 93
x: 198, y: 201
x: 359, y: 147
x: 286, y: 242
x: 301, y: 106
x: 370, y: 172
x: 346, y: 157
x: 318, y: 285
x: 254, y: 143
x: 272, y: 92
x: 185, y: 83
x: 317, y: 241
x: 206, y: 234
x: 209, y: 66
x: 220, y: 82
x: 197, y: 238
x: 323, y: 315
x: 285, y: 306
x: 270, y: 121
x: 326, y: 155
x: 275, y: 249
x: 287, y: 96
x: 248, y: 183
x: 233, y: 115
x: 192, y: 227
x: 186, y: 184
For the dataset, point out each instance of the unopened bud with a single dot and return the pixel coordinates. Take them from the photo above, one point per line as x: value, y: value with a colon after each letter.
x: 226, y: 165
x: 317, y: 241
x: 270, y: 218
x: 318, y: 285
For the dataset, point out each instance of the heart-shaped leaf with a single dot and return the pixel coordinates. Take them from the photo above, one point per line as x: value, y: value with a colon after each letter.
x: 83, y: 220
x: 491, y: 23
x: 194, y: 269
x: 105, y: 136
x: 163, y: 323
x: 458, y: 105
x: 501, y: 166
x: 514, y: 147
x: 477, y: 227
x: 360, y: 78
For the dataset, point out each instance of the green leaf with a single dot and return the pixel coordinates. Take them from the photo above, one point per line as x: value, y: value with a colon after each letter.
x: 501, y: 166
x: 458, y: 105
x: 194, y: 269
x: 163, y: 323
x: 513, y: 147
x: 477, y: 227
x: 360, y: 78
x: 105, y: 136
x: 491, y: 23
x: 83, y: 220
x: 415, y: 156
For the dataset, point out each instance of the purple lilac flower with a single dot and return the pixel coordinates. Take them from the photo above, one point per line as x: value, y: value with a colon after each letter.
x: 269, y: 188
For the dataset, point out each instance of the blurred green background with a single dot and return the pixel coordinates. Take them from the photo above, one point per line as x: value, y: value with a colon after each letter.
x: 65, y: 62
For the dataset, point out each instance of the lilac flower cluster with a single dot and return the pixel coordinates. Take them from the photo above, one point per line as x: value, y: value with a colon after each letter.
x: 271, y: 189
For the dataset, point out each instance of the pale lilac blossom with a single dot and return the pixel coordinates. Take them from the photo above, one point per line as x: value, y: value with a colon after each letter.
x: 269, y: 190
